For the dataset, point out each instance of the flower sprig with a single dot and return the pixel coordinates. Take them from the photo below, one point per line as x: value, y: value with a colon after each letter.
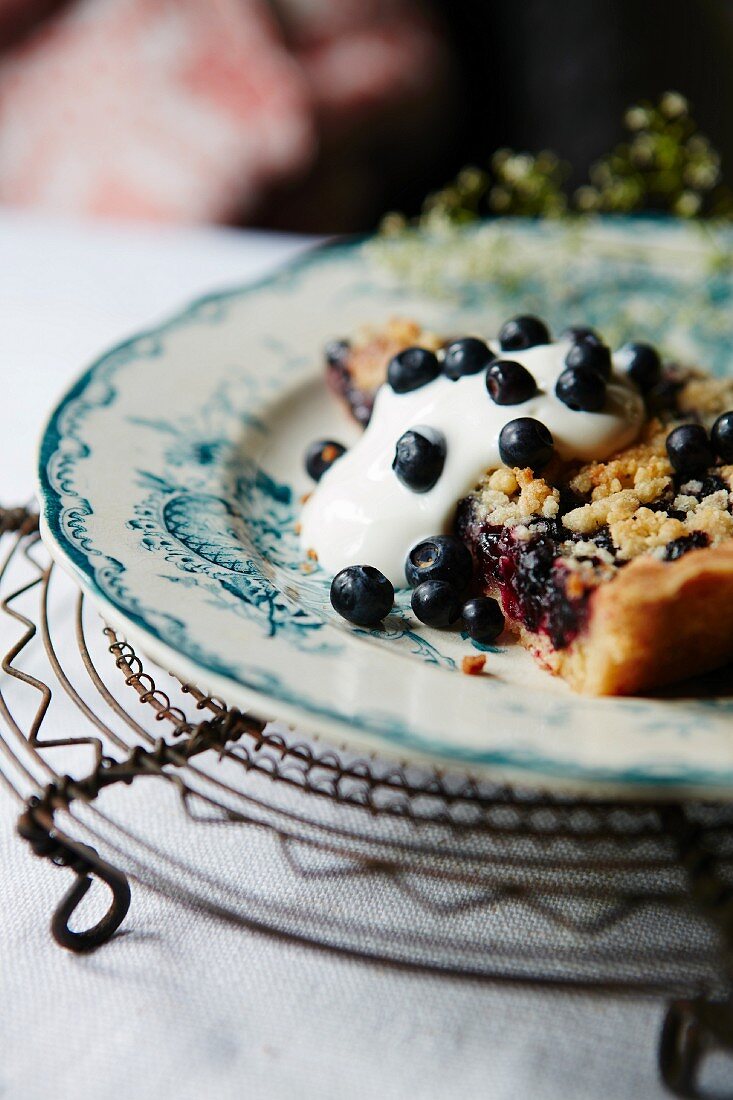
x: 665, y: 164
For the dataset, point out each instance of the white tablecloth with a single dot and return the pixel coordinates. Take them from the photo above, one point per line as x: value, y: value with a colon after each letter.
x: 184, y: 1006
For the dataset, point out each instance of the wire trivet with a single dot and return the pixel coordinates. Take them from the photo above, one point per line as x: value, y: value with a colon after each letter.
x: 395, y: 863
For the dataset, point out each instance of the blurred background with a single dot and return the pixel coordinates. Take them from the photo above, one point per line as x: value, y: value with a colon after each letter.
x: 320, y: 115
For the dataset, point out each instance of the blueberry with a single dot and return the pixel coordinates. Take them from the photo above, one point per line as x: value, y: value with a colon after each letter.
x: 509, y: 383
x: 585, y: 355
x: 577, y: 334
x: 361, y: 594
x: 722, y: 436
x: 412, y: 368
x: 336, y: 352
x: 468, y: 355
x: 581, y: 390
x: 436, y: 603
x: 440, y: 558
x: 642, y: 364
x: 321, y: 455
x: 523, y: 332
x: 689, y: 450
x: 483, y: 619
x: 526, y: 442
x: 419, y: 458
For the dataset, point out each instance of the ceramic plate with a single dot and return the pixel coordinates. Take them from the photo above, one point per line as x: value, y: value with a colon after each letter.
x: 171, y: 477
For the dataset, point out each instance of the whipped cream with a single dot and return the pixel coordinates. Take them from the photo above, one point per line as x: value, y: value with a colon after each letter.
x: 361, y: 514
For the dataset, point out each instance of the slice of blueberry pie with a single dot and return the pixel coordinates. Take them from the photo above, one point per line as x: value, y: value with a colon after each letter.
x: 580, y: 497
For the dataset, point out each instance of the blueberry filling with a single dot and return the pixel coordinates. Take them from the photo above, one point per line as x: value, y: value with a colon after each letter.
x: 700, y: 488
x: 533, y: 584
x: 340, y: 380
x: 529, y: 572
x: 602, y: 539
x: 664, y: 504
x: 697, y: 540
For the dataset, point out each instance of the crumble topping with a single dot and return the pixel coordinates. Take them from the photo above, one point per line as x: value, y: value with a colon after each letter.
x: 637, y: 467
x: 705, y: 397
x: 712, y: 517
x: 607, y: 511
x: 644, y: 531
x: 633, y: 526
x: 603, y: 514
x: 511, y: 496
x: 636, y: 528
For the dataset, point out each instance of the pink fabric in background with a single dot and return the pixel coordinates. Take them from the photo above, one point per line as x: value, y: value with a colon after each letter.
x: 189, y: 110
